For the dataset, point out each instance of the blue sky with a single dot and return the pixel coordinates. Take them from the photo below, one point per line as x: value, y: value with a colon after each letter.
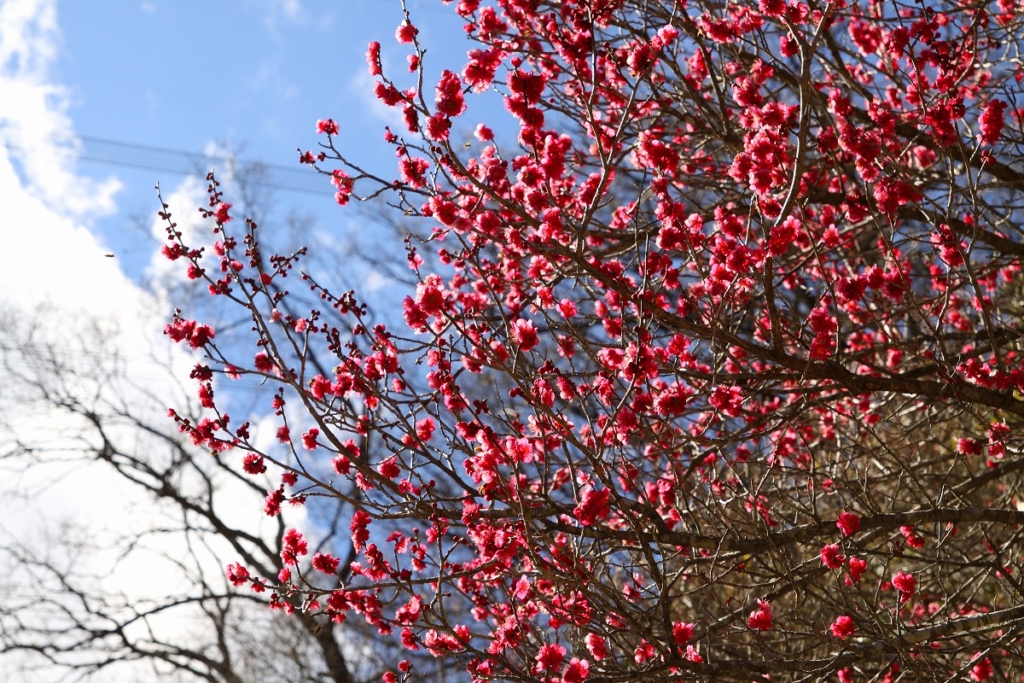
x: 253, y: 75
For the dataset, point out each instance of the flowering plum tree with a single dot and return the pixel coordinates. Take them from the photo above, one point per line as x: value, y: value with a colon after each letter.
x: 713, y: 367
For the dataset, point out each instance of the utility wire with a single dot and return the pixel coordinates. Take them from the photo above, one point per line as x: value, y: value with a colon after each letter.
x: 166, y: 160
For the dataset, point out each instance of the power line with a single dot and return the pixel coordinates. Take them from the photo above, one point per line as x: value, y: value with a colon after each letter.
x: 166, y: 160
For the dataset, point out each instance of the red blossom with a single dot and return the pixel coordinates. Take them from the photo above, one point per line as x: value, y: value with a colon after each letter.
x: 524, y: 334
x: 644, y: 652
x: 327, y: 127
x: 911, y: 537
x: 220, y: 212
x: 990, y: 123
x: 195, y: 334
x: 761, y: 618
x: 294, y: 547
x: 360, y: 533
x: 237, y: 574
x: 413, y: 171
x: 682, y: 632
x: 966, y: 446
x: 448, y: 98
x: 388, y: 94
x: 373, y: 58
x: 577, y: 671
x: 438, y: 127
x: 727, y: 399
x: 593, y: 507
x: 273, y: 501
x: 981, y: 668
x: 906, y: 584
x: 830, y: 556
x: 549, y: 658
x: 857, y: 568
x: 707, y: 292
x: 253, y: 463
x: 406, y: 32
x: 843, y: 627
x: 439, y: 644
x: 848, y: 523
x: 482, y: 66
x: 326, y: 563
x: 597, y: 646
x: 389, y: 468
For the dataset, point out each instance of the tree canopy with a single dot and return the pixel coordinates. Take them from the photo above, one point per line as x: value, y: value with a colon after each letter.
x: 713, y: 366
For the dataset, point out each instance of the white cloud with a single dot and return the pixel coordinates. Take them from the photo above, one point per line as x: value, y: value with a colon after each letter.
x: 276, y: 10
x: 58, y: 277
x: 292, y: 9
x: 183, y: 202
x: 34, y: 126
x: 47, y: 207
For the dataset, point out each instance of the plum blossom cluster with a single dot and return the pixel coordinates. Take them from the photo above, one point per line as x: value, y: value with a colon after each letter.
x: 712, y: 362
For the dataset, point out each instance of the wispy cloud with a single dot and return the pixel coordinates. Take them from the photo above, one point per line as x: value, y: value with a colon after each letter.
x: 275, y: 11
x: 361, y: 85
x: 292, y: 9
x: 35, y: 129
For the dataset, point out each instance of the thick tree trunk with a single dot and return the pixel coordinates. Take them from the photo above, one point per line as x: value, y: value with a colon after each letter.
x: 334, y: 659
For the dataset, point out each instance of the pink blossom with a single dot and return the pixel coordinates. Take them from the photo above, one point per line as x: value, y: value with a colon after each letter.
x: 237, y: 574
x: 905, y: 583
x: 761, y: 618
x: 596, y: 646
x: 830, y: 556
x: 549, y: 658
x: 253, y: 463
x: 220, y: 212
x: 327, y: 126
x: 857, y: 567
x: 373, y: 58
x: 682, y: 632
x: 413, y: 171
x: 981, y: 668
x: 593, y: 507
x: 389, y: 468
x: 913, y: 540
x: 448, y: 96
x: 843, y: 627
x: 727, y: 399
x: 848, y: 523
x: 990, y: 123
x: 294, y: 546
x: 406, y: 32
x: 577, y: 671
x: 524, y: 334
x: 326, y: 563
x: 966, y: 446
